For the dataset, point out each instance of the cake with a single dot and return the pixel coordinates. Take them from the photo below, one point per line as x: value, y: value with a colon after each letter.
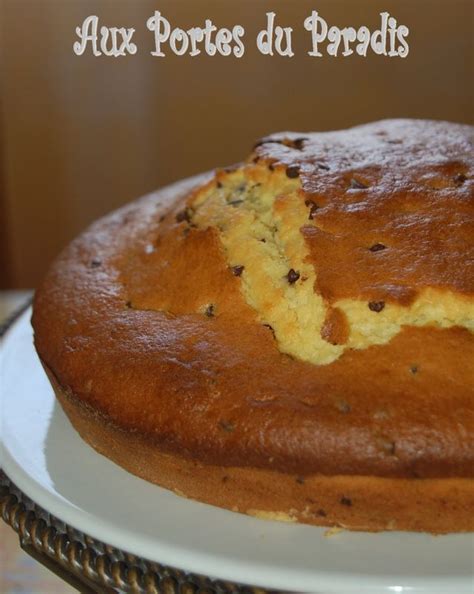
x: 290, y: 337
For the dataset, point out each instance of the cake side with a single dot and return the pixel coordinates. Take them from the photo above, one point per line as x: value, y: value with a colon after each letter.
x: 367, y: 503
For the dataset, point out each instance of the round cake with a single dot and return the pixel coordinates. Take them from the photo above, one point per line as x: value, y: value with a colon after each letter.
x: 290, y: 337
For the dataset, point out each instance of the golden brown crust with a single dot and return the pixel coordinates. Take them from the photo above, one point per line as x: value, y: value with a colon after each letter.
x: 352, y: 502
x: 406, y: 185
x: 145, y: 321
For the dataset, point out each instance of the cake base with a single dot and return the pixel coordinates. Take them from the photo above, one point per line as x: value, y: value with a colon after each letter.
x: 367, y: 503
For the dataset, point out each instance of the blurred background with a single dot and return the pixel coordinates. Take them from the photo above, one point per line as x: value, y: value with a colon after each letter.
x: 80, y: 136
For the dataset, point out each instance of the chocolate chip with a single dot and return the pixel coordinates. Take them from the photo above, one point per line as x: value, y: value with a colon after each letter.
x: 270, y: 328
x: 227, y: 426
x: 376, y: 305
x: 184, y: 215
x: 357, y: 184
x: 414, y: 369
x: 225, y: 478
x: 162, y: 218
x: 219, y: 184
x: 459, y: 179
x: 95, y: 263
x: 321, y: 513
x: 292, y: 171
x: 210, y: 311
x: 323, y: 166
x: 128, y: 304
x: 346, y: 501
x: 235, y: 202
x: 271, y: 166
x: 256, y: 159
x: 292, y: 276
x: 237, y: 270
x: 298, y: 143
x: 343, y: 406
x: 300, y: 480
x: 263, y: 240
x: 377, y: 247
x: 312, y: 210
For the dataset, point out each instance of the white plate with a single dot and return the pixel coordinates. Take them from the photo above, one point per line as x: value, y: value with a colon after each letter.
x: 45, y: 457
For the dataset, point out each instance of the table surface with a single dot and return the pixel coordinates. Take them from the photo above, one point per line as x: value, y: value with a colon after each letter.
x: 19, y: 573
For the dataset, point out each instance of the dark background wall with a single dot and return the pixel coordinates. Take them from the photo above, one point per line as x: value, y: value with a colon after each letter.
x: 82, y: 135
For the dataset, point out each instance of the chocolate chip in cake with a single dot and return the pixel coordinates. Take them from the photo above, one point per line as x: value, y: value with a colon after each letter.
x: 237, y: 270
x: 128, y: 304
x: 162, y: 218
x: 292, y: 171
x: 459, y: 179
x: 321, y: 513
x: 184, y: 215
x: 343, y: 406
x: 235, y: 203
x: 210, y: 311
x: 377, y: 247
x: 414, y: 369
x: 346, y: 501
x: 292, y: 276
x: 270, y: 328
x: 297, y: 143
x: 219, y: 184
x: 271, y: 167
x: 226, y: 426
x: 376, y: 305
x: 225, y: 478
x: 313, y: 208
x: 323, y: 166
x: 300, y: 480
x: 356, y: 184
x: 95, y: 263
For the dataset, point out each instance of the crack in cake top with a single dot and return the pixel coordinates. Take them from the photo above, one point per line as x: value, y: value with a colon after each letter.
x: 391, y: 206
